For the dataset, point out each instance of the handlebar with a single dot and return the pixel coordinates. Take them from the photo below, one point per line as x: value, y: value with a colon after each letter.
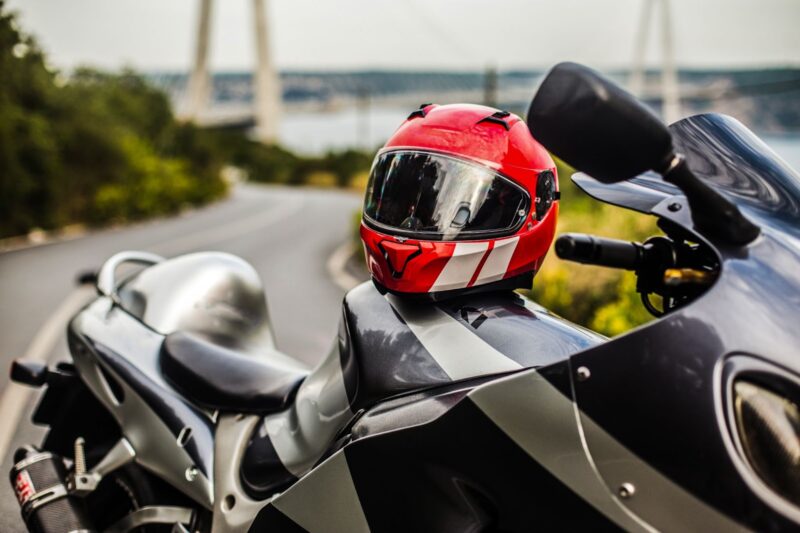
x: 592, y: 250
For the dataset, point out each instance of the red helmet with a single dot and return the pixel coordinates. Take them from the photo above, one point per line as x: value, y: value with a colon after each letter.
x: 461, y: 196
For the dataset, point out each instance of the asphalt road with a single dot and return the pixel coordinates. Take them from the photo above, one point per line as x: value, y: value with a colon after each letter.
x: 286, y: 234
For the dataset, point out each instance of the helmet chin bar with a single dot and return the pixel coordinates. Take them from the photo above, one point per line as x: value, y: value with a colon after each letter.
x: 523, y: 281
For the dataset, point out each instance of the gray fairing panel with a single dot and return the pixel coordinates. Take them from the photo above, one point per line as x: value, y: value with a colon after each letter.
x: 382, y: 356
x: 664, y: 389
x: 214, y: 295
x: 389, y: 347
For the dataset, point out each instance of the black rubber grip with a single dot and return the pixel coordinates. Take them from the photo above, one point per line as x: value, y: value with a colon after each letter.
x: 593, y: 250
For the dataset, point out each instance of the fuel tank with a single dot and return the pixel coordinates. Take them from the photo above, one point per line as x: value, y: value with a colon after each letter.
x: 215, y: 295
x: 388, y: 346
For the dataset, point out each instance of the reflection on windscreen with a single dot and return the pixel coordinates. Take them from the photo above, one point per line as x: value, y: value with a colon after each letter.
x: 720, y: 150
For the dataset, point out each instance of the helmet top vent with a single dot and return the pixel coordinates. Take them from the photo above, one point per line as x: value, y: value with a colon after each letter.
x: 497, y: 118
x: 420, y: 112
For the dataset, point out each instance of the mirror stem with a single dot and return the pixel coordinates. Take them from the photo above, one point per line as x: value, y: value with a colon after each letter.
x: 712, y: 213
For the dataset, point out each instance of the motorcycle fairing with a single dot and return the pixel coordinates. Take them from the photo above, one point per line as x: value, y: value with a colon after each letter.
x: 394, y: 345
x: 116, y: 353
x: 651, y: 413
x: 662, y: 397
x: 671, y: 413
x: 420, y: 463
x: 728, y: 157
x: 504, y: 453
x: 641, y: 193
x: 388, y: 347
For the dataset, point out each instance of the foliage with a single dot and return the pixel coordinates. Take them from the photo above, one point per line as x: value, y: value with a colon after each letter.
x: 95, y: 148
x: 99, y: 147
x: 274, y: 164
x: 602, y: 299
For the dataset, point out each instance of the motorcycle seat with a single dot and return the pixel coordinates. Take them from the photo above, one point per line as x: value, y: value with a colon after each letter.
x: 216, y: 377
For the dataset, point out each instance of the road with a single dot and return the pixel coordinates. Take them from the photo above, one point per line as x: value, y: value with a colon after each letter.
x: 287, y: 234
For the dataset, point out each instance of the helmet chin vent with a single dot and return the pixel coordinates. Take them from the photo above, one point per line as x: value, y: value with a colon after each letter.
x: 398, y: 255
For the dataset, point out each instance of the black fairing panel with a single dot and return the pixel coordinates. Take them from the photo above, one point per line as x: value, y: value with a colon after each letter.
x: 659, y: 389
x: 262, y: 473
x: 382, y: 357
x: 519, y: 328
x: 433, y: 461
x: 727, y: 157
x: 443, y: 473
x: 138, y: 366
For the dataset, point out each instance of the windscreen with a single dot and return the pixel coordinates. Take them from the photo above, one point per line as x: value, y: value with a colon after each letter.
x: 438, y: 197
x: 729, y: 158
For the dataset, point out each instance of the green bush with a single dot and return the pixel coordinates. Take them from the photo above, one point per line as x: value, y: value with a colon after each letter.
x: 273, y: 164
x: 94, y: 148
x: 602, y: 299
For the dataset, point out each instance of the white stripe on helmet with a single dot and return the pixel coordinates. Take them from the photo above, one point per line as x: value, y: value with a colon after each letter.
x: 458, y: 271
x: 496, y: 265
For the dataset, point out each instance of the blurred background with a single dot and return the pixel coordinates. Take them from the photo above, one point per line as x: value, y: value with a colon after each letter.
x: 249, y: 126
x: 117, y: 113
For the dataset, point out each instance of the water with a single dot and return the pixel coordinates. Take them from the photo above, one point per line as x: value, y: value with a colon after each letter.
x: 786, y: 146
x: 314, y: 132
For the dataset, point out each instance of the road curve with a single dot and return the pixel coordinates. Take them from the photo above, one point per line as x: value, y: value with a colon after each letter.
x: 287, y: 234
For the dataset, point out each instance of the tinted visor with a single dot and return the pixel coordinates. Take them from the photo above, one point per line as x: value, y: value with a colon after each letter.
x: 438, y: 197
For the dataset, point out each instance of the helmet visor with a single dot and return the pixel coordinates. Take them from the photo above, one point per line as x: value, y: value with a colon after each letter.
x: 437, y: 197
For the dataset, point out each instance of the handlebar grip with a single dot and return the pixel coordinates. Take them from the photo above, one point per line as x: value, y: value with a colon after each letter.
x: 593, y: 250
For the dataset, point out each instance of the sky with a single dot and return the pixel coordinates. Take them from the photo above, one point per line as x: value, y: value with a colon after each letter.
x: 157, y: 35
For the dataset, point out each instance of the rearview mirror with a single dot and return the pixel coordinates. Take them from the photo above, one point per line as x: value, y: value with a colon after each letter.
x: 596, y: 126
x: 601, y: 129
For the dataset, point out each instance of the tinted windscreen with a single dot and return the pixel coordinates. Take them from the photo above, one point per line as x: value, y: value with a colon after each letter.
x: 727, y: 157
x: 441, y: 197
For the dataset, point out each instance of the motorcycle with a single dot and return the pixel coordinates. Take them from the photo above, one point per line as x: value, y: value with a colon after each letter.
x: 484, y: 412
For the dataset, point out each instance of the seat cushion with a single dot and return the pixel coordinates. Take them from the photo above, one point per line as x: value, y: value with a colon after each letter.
x: 219, y: 378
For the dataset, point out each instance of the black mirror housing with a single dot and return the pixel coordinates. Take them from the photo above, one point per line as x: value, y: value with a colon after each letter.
x: 596, y: 126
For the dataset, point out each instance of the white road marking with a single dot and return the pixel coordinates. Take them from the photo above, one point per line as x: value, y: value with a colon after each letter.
x: 16, y: 397
x: 460, y: 353
x: 337, y: 267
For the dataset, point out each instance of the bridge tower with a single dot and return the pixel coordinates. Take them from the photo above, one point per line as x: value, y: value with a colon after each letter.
x: 267, y: 90
x: 199, y: 88
x: 266, y: 83
x: 671, y: 106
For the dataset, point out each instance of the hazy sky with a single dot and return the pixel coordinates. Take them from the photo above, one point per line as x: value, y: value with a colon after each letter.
x: 436, y: 34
